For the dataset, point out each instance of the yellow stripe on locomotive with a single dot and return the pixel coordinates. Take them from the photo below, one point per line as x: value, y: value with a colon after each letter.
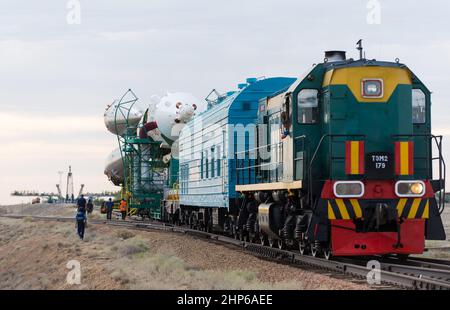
x: 407, y: 208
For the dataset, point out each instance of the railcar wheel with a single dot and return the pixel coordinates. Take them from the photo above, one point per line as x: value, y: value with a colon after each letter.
x: 243, y: 236
x: 247, y: 237
x: 315, y: 250
x: 234, y: 232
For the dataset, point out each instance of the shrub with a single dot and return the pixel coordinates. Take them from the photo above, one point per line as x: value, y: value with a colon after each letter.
x: 125, y: 234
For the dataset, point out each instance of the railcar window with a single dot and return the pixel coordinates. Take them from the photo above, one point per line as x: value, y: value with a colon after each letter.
x: 308, y: 106
x: 206, y: 164
x: 201, y: 165
x: 218, y: 160
x: 212, y: 163
x: 418, y: 106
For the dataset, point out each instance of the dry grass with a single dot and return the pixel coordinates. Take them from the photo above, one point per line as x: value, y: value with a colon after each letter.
x: 125, y: 234
x: 33, y: 255
x: 140, y: 267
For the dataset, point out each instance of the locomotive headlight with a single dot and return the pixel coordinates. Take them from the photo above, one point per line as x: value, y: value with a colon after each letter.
x: 348, y: 189
x: 410, y: 188
x: 417, y: 188
x: 372, y: 88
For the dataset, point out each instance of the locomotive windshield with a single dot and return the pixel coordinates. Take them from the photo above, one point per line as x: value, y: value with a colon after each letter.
x: 308, y: 102
x: 418, y: 106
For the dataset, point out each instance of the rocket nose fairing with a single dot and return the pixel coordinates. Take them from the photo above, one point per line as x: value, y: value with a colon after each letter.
x: 166, y: 116
x: 116, y: 119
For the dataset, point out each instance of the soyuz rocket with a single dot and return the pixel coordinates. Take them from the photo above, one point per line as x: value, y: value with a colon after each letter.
x: 162, y: 122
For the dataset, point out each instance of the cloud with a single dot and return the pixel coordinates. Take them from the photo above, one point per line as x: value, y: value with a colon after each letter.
x: 16, y: 126
x: 125, y: 35
x: 49, y: 68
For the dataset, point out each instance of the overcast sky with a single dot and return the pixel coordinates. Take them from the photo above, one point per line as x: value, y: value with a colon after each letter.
x: 56, y: 78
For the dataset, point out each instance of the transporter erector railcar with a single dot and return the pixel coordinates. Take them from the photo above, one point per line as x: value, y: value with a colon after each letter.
x: 339, y: 163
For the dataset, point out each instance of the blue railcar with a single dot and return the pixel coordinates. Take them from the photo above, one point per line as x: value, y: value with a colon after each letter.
x: 208, y: 144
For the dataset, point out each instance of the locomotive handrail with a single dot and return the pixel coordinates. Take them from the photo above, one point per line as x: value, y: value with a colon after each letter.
x: 310, y: 179
x: 442, y: 166
x: 257, y: 148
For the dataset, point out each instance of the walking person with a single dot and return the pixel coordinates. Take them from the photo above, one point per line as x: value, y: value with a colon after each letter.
x: 90, y: 206
x: 81, y: 203
x: 109, y: 208
x: 81, y: 222
x: 123, y: 208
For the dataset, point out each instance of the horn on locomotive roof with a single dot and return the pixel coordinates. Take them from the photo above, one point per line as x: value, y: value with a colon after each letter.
x: 360, y: 48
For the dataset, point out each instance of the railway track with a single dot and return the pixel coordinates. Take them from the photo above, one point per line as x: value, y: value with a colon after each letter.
x: 414, y: 273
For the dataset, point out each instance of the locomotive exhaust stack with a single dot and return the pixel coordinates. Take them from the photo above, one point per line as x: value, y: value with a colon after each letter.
x: 332, y: 56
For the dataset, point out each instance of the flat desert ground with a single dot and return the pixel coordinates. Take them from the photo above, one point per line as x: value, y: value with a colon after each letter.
x: 34, y: 255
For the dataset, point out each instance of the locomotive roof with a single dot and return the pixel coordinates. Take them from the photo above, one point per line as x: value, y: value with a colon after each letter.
x: 350, y: 63
x: 361, y: 63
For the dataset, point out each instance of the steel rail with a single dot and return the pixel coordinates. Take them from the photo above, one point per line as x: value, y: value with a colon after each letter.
x: 406, y: 267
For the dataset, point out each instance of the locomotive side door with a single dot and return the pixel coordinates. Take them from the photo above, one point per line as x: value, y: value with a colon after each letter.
x: 306, y: 121
x: 422, y: 129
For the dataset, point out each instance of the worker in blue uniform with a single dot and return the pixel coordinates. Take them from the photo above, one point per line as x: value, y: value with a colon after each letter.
x: 109, y: 208
x: 81, y: 202
x: 81, y: 222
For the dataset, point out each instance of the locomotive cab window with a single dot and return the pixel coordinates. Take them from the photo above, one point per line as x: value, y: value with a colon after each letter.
x: 418, y: 106
x: 308, y: 106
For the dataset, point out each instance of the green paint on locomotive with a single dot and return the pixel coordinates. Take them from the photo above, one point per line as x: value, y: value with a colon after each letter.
x: 377, y: 122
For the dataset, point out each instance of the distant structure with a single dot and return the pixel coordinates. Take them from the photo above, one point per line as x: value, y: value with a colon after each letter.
x: 69, y: 187
x: 59, y: 186
x: 81, y: 190
x: 60, y: 197
x: 70, y: 197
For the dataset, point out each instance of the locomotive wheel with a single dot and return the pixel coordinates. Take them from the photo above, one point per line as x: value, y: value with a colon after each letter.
x: 281, y: 244
x: 327, y: 253
x: 402, y: 257
x: 272, y: 242
x: 262, y: 239
x: 315, y: 250
x: 302, y: 247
